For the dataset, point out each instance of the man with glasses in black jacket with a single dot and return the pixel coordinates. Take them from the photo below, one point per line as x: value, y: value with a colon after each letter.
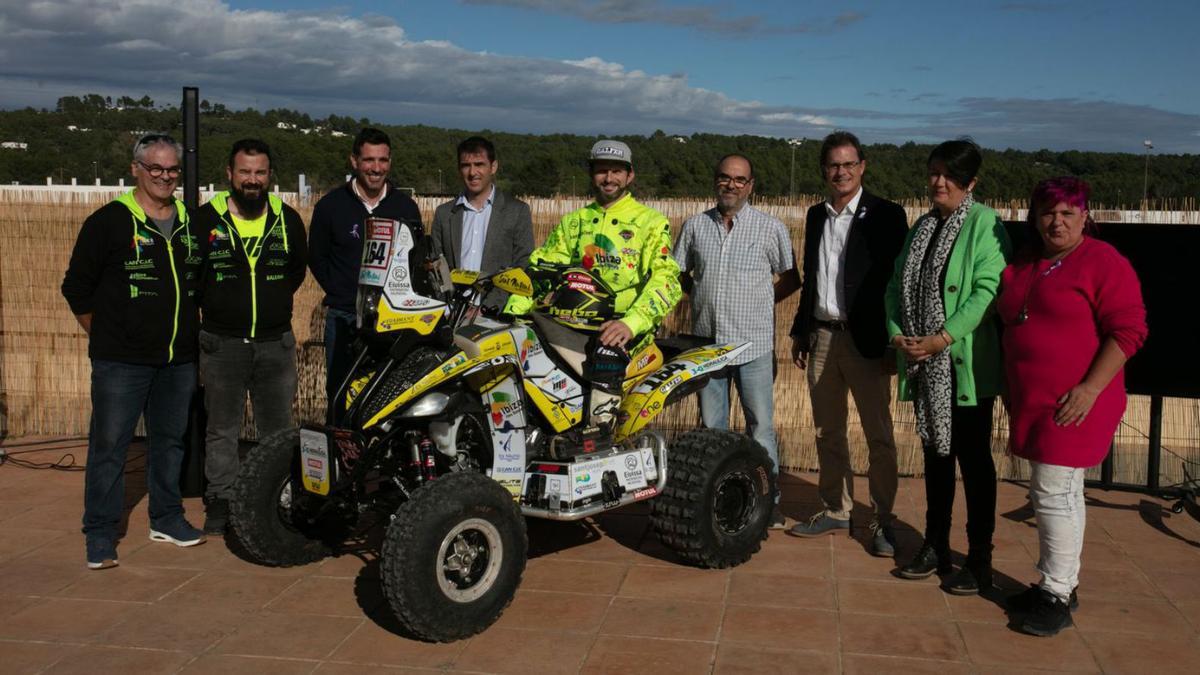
x: 131, y: 284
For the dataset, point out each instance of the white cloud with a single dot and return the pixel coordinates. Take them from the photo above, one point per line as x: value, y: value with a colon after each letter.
x: 367, y: 66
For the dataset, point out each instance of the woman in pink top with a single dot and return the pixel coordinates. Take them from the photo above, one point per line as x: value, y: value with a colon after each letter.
x: 1072, y: 312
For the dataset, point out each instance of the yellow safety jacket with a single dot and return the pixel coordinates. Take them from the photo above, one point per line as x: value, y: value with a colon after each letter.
x: 628, y: 245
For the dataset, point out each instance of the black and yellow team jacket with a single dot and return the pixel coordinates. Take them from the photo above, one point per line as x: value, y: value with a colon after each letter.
x: 138, y: 284
x: 247, y: 282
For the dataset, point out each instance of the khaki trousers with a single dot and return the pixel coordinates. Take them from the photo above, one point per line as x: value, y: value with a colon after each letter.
x: 836, y: 368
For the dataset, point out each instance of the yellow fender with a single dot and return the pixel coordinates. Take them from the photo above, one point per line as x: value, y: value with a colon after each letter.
x: 651, y: 395
x: 498, y: 344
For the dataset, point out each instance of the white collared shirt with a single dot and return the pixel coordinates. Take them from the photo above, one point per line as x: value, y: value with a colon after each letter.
x: 831, y: 262
x: 474, y: 232
x: 362, y: 198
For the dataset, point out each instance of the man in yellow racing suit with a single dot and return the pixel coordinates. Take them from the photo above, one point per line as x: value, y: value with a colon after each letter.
x: 628, y: 246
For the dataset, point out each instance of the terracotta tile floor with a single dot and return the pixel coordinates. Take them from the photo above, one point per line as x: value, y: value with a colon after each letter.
x: 598, y: 597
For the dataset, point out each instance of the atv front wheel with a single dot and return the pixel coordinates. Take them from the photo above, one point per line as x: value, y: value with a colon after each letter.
x: 717, y: 503
x: 270, y: 513
x: 453, y: 557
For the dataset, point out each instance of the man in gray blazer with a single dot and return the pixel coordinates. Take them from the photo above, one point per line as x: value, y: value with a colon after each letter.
x: 484, y: 229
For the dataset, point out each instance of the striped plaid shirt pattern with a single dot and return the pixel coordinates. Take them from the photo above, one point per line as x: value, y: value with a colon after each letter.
x: 733, y: 297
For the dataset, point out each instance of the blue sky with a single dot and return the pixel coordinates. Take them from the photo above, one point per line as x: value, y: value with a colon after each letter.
x: 1064, y: 74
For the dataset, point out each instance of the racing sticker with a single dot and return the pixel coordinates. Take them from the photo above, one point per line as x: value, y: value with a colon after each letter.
x: 398, y: 285
x: 632, y: 475
x: 585, y: 478
x: 314, y: 461
x: 648, y: 462
x: 506, y: 416
x: 377, y: 250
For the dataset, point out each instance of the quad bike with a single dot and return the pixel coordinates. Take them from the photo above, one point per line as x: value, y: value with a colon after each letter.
x: 458, y: 425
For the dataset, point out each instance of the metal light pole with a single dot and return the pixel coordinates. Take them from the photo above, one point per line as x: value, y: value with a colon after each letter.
x: 1146, y: 176
x: 794, y: 142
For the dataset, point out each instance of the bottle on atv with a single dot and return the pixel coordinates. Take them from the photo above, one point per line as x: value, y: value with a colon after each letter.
x: 460, y: 425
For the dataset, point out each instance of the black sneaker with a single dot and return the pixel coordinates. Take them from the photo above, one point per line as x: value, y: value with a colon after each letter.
x: 216, y: 516
x: 926, y: 562
x: 1048, y: 616
x: 970, y: 580
x: 778, y: 520
x: 101, y: 553
x: 1025, y: 601
x: 178, y: 531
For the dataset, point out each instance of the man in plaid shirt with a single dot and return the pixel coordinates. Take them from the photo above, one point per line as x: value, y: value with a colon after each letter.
x: 736, y: 262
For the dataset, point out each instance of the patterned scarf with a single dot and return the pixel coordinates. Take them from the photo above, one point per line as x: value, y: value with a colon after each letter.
x: 923, y: 312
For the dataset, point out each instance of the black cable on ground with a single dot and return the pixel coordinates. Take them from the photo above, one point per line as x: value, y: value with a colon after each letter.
x: 64, y: 463
x: 48, y: 441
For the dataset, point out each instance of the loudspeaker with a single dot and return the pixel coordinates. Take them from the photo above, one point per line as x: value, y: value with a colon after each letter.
x: 1165, y: 260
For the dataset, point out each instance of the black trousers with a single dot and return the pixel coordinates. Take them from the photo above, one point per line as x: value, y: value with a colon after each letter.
x: 971, y: 447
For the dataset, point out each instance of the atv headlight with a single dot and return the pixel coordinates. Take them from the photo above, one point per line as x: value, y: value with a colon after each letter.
x: 430, y: 404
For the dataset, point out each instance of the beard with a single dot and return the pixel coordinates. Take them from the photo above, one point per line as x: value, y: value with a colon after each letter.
x: 250, y: 204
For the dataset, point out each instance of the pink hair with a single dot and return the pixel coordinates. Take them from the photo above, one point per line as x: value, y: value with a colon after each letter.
x: 1051, y: 191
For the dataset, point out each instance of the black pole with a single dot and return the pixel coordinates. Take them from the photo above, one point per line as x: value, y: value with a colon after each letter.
x: 1153, y: 456
x: 191, y: 475
x: 191, y: 143
x: 1106, y: 468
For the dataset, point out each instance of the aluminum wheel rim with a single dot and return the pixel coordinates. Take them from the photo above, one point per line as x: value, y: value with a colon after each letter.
x: 469, y: 560
x: 734, y: 501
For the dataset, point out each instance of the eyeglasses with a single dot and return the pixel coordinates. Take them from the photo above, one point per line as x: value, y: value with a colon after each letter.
x: 735, y: 181
x: 156, y: 171
x: 833, y: 168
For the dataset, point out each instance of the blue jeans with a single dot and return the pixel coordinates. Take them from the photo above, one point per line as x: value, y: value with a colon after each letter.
x: 340, y: 332
x: 121, y: 393
x: 756, y: 387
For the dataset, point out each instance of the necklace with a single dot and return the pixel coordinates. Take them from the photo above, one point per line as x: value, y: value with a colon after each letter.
x: 1023, y: 316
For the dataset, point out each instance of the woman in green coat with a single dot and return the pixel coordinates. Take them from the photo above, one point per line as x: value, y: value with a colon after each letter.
x: 940, y: 319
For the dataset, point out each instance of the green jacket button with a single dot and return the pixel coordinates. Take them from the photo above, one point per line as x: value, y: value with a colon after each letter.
x: 958, y: 361
x: 963, y: 397
x: 953, y: 289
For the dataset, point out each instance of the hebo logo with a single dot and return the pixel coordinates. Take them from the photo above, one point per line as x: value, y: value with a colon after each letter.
x: 274, y: 277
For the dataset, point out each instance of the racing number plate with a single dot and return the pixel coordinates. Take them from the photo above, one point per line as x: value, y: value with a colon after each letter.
x: 377, y: 251
x: 314, y: 461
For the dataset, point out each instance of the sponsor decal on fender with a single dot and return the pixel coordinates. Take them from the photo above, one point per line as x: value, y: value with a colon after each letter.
x: 645, y: 492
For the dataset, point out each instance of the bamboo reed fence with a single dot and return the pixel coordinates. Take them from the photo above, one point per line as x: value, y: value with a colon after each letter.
x: 45, y: 372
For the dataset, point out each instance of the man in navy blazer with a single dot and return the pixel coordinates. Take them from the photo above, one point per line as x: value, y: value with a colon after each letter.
x: 483, y: 229
x: 851, y: 242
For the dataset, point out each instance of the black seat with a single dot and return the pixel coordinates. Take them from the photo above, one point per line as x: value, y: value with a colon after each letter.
x: 677, y: 344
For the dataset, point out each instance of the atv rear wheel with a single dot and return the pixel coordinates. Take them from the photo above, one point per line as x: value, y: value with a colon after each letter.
x: 270, y: 513
x: 453, y: 557
x: 717, y: 504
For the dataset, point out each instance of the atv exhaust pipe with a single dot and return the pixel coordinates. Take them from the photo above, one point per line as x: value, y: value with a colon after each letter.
x: 660, y: 451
